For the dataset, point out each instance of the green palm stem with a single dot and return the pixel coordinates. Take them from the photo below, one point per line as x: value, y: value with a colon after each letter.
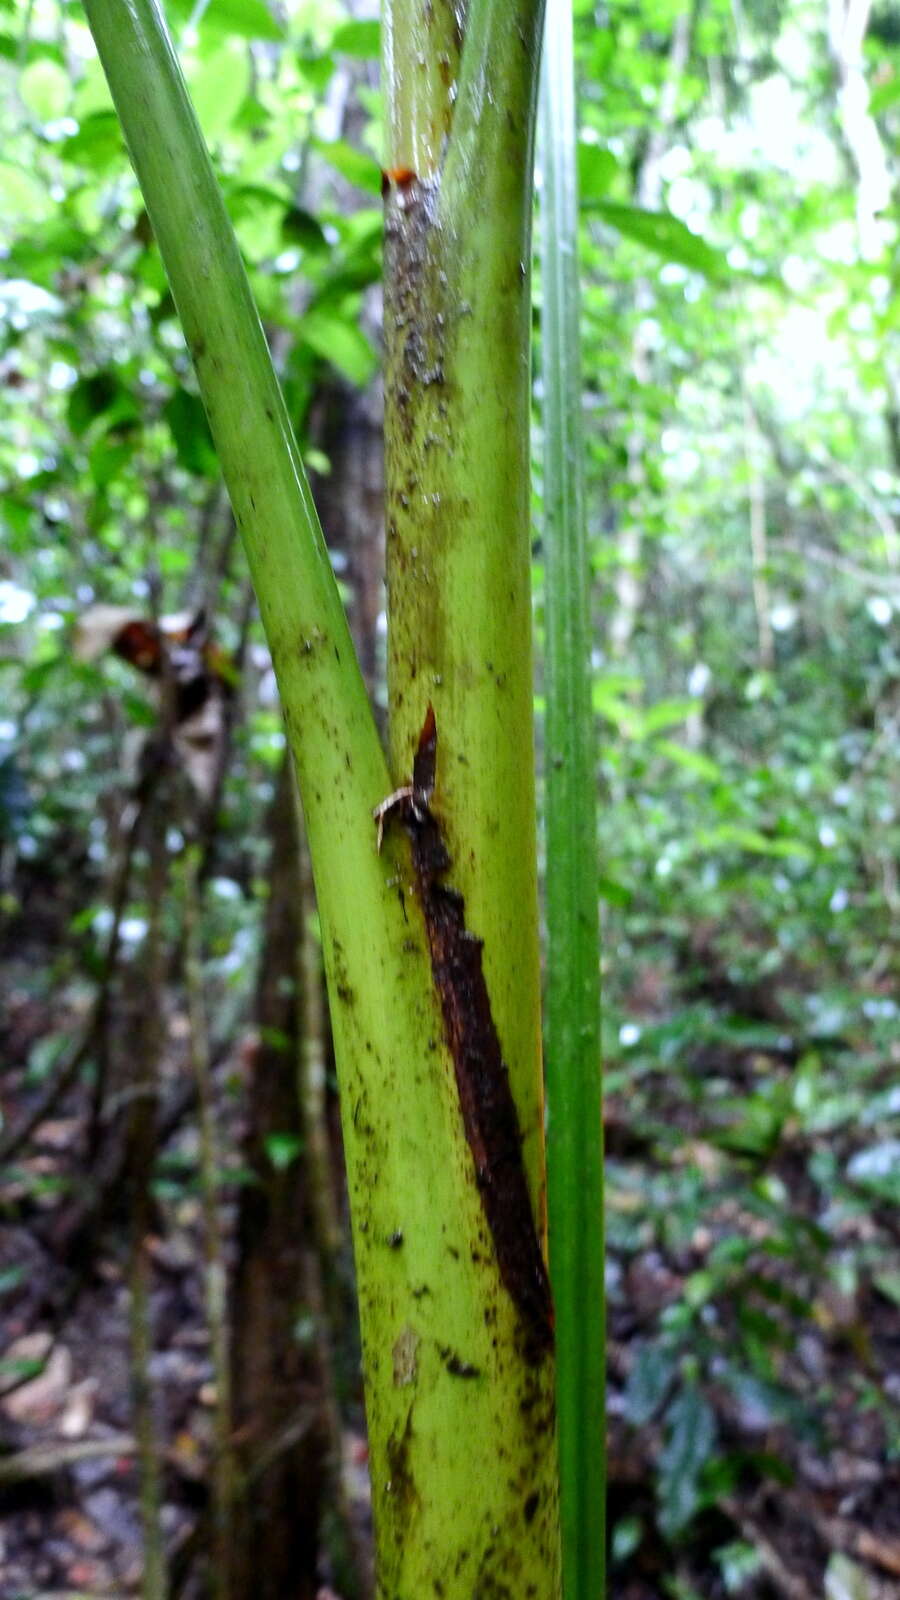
x: 462, y: 1448
x: 457, y: 426
x: 457, y: 415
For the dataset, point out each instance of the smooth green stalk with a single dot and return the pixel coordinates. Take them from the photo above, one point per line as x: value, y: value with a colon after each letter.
x: 575, y: 1120
x: 460, y: 1428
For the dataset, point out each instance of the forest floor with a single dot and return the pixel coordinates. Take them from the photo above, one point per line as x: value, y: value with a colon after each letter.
x: 803, y: 1499
x: 792, y: 1478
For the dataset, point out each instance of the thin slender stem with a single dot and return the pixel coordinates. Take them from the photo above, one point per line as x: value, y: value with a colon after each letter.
x: 574, y: 1123
x: 141, y: 1138
x: 216, y: 1276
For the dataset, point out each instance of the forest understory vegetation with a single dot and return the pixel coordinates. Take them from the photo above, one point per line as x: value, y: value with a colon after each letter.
x: 170, y: 1135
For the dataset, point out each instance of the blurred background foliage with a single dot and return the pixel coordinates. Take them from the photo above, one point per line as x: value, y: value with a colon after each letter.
x: 739, y: 185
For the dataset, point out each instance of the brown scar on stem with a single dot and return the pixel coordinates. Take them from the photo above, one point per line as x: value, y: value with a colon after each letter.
x: 400, y: 177
x: 488, y: 1110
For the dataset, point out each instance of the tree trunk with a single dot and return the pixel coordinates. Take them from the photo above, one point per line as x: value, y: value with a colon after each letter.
x: 278, y: 1410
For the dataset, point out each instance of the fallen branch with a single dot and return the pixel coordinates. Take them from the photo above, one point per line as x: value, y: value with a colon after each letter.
x: 42, y: 1460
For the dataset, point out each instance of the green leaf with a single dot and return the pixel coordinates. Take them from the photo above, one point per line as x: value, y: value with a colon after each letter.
x: 888, y: 1284
x: 46, y: 89
x: 10, y: 1278
x: 22, y: 195
x: 276, y: 1038
x: 340, y: 342
x: 758, y: 1125
x: 21, y: 1368
x: 91, y: 397
x: 83, y: 919
x: 316, y: 68
x: 107, y: 457
x: 633, y: 721
x: 597, y: 169
x: 690, y: 1441
x: 666, y: 236
x: 877, y: 1168
x: 648, y: 1383
x: 44, y: 1055
x: 97, y: 144
x: 218, y: 88
x: 245, y: 19
x: 137, y: 710
x: 739, y: 1563
x: 362, y: 38
x: 627, y: 1535
x: 35, y: 679
x: 173, y: 561
x: 282, y: 1149
x: 613, y: 892
x: 352, y: 164
x: 667, y: 713
x: 846, y: 1580
x: 886, y: 95
x: 752, y: 841
x: 300, y: 227
x: 692, y: 761
x: 187, y: 421
x: 625, y: 717
x: 250, y: 19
